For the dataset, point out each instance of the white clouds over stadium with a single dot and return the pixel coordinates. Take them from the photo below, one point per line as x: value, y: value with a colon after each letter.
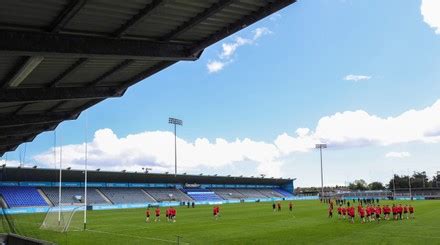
x: 229, y: 49
x: 341, y: 130
x: 356, y: 78
x: 430, y: 10
x: 393, y: 154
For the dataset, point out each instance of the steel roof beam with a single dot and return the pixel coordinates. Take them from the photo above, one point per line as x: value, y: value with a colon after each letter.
x: 124, y: 64
x: 53, y: 44
x: 215, y: 8
x: 20, y: 108
x: 9, y: 141
x: 27, y: 129
x: 50, y: 94
x: 8, y: 121
x: 138, y: 18
x: 4, y: 149
x: 68, y: 72
x: 66, y: 15
x: 148, y: 72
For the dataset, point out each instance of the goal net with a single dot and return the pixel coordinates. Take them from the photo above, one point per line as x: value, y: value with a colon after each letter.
x: 63, y: 219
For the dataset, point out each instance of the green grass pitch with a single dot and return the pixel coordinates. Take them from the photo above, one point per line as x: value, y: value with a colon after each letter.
x: 245, y: 223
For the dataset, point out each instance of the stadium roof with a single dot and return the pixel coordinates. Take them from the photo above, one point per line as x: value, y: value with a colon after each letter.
x: 60, y: 57
x: 36, y: 174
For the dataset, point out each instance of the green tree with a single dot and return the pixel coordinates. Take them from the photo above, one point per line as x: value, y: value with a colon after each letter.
x: 358, y: 185
x: 420, y: 180
x: 376, y: 186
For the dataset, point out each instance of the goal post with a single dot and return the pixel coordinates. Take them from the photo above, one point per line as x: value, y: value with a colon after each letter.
x: 63, y: 218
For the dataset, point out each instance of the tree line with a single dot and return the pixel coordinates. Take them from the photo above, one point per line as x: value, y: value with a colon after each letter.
x: 416, y: 180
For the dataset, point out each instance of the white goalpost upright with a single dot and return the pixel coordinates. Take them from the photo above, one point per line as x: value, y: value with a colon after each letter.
x: 59, y: 186
x: 61, y: 218
x: 85, y: 173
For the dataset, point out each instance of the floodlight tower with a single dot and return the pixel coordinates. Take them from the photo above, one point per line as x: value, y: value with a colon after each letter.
x: 320, y: 147
x: 175, y: 122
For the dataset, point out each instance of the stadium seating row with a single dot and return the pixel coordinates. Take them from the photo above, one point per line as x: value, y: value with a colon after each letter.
x: 22, y: 197
x: 31, y: 196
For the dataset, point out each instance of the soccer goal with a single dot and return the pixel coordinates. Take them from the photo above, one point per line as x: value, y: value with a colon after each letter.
x: 63, y: 219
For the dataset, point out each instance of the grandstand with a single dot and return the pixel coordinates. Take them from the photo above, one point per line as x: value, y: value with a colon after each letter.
x: 27, y: 188
x: 73, y: 195
x: 168, y: 194
x: 202, y: 195
x: 126, y: 195
x: 229, y: 194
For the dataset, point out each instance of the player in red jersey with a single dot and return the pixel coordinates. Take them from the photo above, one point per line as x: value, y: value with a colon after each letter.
x: 147, y: 215
x: 290, y: 206
x: 279, y: 207
x: 214, y: 212
x: 405, y: 211
x: 411, y: 211
x: 330, y: 211
x: 368, y: 210
x: 400, y: 211
x: 167, y: 213
x: 361, y: 212
x: 339, y: 212
x: 344, y: 211
x: 351, y: 214
x: 157, y: 211
x: 394, y: 211
x: 378, y: 212
x: 386, y: 212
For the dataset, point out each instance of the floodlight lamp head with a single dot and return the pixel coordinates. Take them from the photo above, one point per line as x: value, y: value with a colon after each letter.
x: 320, y: 146
x: 175, y: 121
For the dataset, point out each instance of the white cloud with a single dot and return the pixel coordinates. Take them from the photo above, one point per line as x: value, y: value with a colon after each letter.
x: 215, y: 66
x: 393, y: 154
x: 12, y: 163
x: 430, y: 10
x: 261, y: 31
x: 356, y: 78
x: 155, y: 149
x: 229, y: 49
x: 340, y: 130
x: 275, y: 17
x: 302, y: 132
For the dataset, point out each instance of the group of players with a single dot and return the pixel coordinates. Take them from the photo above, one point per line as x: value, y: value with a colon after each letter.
x: 372, y: 212
x: 277, y: 206
x: 170, y: 214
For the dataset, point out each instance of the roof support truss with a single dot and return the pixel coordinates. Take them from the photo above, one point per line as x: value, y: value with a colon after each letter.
x: 215, y: 8
x: 8, y: 141
x: 67, y: 14
x: 53, y: 44
x: 7, y: 121
x: 26, y: 130
x: 136, y: 19
x: 50, y: 94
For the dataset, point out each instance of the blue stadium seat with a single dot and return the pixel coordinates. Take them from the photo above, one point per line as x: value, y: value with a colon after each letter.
x: 22, y: 196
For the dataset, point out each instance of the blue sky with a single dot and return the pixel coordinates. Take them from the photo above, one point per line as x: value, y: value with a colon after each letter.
x: 292, y: 75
